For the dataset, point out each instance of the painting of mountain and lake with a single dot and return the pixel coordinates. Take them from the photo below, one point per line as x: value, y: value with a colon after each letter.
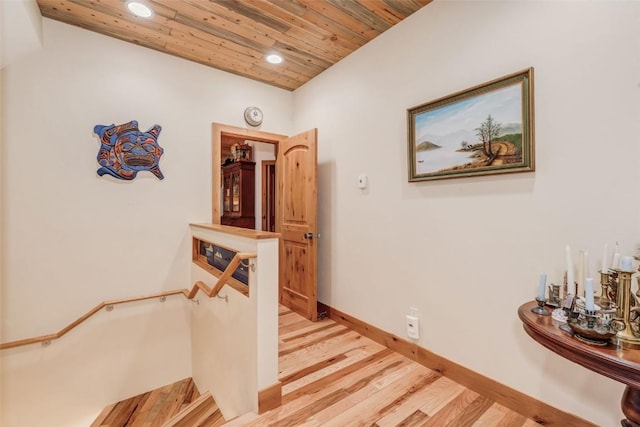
x: 484, y: 130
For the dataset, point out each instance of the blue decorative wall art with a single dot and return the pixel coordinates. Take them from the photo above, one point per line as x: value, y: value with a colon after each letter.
x: 125, y: 150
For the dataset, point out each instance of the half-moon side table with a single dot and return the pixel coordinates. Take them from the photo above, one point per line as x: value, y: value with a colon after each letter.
x: 620, y: 364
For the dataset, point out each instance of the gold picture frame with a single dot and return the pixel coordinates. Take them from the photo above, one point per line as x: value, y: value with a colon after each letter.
x: 487, y: 129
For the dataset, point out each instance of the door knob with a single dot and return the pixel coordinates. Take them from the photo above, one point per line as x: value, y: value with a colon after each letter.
x: 308, y: 236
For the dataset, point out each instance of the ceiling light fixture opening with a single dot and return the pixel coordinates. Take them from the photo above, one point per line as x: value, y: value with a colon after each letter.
x: 139, y: 9
x: 274, y: 58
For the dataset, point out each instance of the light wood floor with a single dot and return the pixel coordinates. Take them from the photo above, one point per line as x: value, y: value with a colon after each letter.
x: 332, y: 376
x: 154, y: 408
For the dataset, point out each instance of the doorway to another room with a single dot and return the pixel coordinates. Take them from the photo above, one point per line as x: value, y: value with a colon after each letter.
x: 248, y: 183
x: 289, y: 201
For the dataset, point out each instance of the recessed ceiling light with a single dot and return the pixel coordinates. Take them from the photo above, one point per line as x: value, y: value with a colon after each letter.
x: 140, y: 9
x: 274, y: 58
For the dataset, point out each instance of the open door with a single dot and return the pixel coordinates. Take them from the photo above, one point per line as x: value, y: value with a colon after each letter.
x: 296, y: 221
x: 296, y: 209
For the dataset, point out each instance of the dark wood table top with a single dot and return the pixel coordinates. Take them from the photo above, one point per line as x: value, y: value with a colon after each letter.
x: 620, y: 364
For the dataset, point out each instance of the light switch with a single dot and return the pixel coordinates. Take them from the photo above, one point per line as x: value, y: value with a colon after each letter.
x: 362, y: 181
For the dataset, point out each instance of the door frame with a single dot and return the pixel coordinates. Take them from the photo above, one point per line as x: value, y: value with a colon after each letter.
x: 219, y: 131
x: 268, y: 197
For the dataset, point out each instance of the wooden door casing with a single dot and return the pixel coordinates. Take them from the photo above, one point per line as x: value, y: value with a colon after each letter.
x: 296, y: 221
x: 268, y: 195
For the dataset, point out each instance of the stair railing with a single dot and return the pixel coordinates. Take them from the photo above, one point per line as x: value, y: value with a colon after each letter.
x: 189, y: 294
x: 222, y: 280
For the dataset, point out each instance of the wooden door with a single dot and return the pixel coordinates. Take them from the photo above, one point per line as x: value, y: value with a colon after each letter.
x: 296, y: 221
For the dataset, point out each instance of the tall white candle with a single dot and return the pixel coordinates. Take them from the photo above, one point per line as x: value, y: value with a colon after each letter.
x: 588, y: 294
x: 605, y: 267
x: 542, y: 286
x: 580, y: 282
x: 615, y: 263
x: 586, y: 266
x: 571, y: 284
x: 627, y: 263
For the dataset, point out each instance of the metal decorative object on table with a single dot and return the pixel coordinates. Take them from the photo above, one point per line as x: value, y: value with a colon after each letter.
x: 589, y: 329
x: 554, y: 296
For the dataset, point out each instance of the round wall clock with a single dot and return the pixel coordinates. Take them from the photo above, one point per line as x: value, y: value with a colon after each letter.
x: 253, y: 116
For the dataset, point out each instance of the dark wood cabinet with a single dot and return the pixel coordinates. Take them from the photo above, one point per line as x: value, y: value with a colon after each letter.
x: 238, y: 189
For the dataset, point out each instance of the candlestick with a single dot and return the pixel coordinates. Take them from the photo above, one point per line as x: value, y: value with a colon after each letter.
x: 627, y: 263
x: 623, y: 322
x: 542, y: 285
x: 605, y: 277
x: 591, y: 318
x: 540, y: 308
x: 571, y: 284
x: 588, y: 294
x: 605, y: 267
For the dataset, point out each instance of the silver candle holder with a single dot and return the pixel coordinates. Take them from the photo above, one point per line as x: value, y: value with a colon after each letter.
x: 540, y: 309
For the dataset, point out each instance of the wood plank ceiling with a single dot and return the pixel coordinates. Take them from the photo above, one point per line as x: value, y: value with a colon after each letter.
x: 236, y: 35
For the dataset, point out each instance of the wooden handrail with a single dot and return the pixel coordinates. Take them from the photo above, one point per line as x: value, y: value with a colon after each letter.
x: 84, y: 317
x: 222, y: 280
x: 213, y: 292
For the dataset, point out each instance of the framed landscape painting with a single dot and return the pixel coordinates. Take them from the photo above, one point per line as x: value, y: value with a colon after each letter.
x: 487, y: 129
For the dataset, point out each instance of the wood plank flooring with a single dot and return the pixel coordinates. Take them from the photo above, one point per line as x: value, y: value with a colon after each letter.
x: 157, y: 407
x: 202, y: 412
x: 333, y: 376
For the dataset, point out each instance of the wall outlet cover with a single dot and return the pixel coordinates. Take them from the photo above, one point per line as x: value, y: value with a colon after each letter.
x: 413, y: 329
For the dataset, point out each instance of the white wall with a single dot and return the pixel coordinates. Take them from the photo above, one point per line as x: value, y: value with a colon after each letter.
x: 72, y: 239
x: 468, y: 252
x: 114, y: 355
x: 234, y: 341
x: 20, y: 30
x: 20, y: 34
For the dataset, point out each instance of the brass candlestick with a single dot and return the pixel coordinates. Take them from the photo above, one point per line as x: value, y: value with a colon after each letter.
x: 605, y: 278
x: 627, y: 329
x: 613, y: 286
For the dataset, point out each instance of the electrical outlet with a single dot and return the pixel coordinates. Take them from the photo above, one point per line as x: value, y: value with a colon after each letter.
x: 413, y: 327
